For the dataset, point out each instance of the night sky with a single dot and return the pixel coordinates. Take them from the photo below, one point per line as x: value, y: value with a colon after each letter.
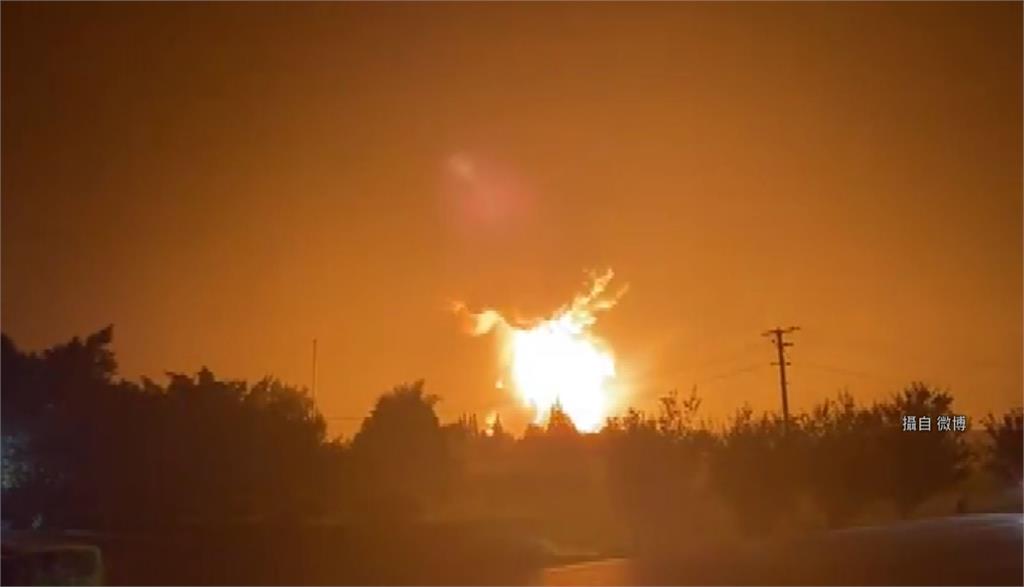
x: 225, y: 183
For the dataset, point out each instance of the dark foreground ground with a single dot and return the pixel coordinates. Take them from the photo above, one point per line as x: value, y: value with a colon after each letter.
x: 978, y: 549
x: 365, y: 554
x: 383, y: 555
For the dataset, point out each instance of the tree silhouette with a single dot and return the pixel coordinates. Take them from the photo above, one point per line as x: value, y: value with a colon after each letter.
x: 55, y: 403
x: 758, y: 466
x: 559, y: 422
x: 913, y: 466
x: 846, y: 444
x: 657, y: 471
x: 99, y: 453
x: 1005, y: 453
x: 400, y: 453
x: 87, y: 450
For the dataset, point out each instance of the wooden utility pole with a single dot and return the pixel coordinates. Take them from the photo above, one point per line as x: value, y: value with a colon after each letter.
x: 778, y: 337
x: 314, y: 371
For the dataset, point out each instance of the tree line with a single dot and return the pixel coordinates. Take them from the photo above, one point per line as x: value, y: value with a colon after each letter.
x: 85, y: 449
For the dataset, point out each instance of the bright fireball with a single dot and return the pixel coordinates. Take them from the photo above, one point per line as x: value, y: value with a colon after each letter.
x: 559, y: 360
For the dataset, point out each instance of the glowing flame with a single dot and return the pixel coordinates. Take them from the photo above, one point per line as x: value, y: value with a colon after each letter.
x: 490, y: 423
x: 558, y: 360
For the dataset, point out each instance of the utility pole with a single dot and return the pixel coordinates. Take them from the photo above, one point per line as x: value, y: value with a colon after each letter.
x: 314, y: 371
x: 778, y: 337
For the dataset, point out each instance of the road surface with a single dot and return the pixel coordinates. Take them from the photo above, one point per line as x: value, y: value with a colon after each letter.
x: 977, y: 549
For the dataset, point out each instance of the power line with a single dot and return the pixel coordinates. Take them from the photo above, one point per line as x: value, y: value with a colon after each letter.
x: 314, y: 371
x: 725, y: 357
x: 729, y: 374
x: 720, y: 360
x: 778, y: 337
x: 857, y: 373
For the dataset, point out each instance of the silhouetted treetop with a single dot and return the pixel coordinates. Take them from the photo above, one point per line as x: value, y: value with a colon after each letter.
x: 400, y: 455
x: 1005, y: 452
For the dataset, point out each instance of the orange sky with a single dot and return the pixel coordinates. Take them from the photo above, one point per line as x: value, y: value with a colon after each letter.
x: 224, y: 183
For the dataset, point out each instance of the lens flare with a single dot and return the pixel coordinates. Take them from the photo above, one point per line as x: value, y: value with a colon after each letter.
x: 558, y: 361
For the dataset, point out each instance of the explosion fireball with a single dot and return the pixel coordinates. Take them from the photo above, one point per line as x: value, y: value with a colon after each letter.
x: 558, y: 360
